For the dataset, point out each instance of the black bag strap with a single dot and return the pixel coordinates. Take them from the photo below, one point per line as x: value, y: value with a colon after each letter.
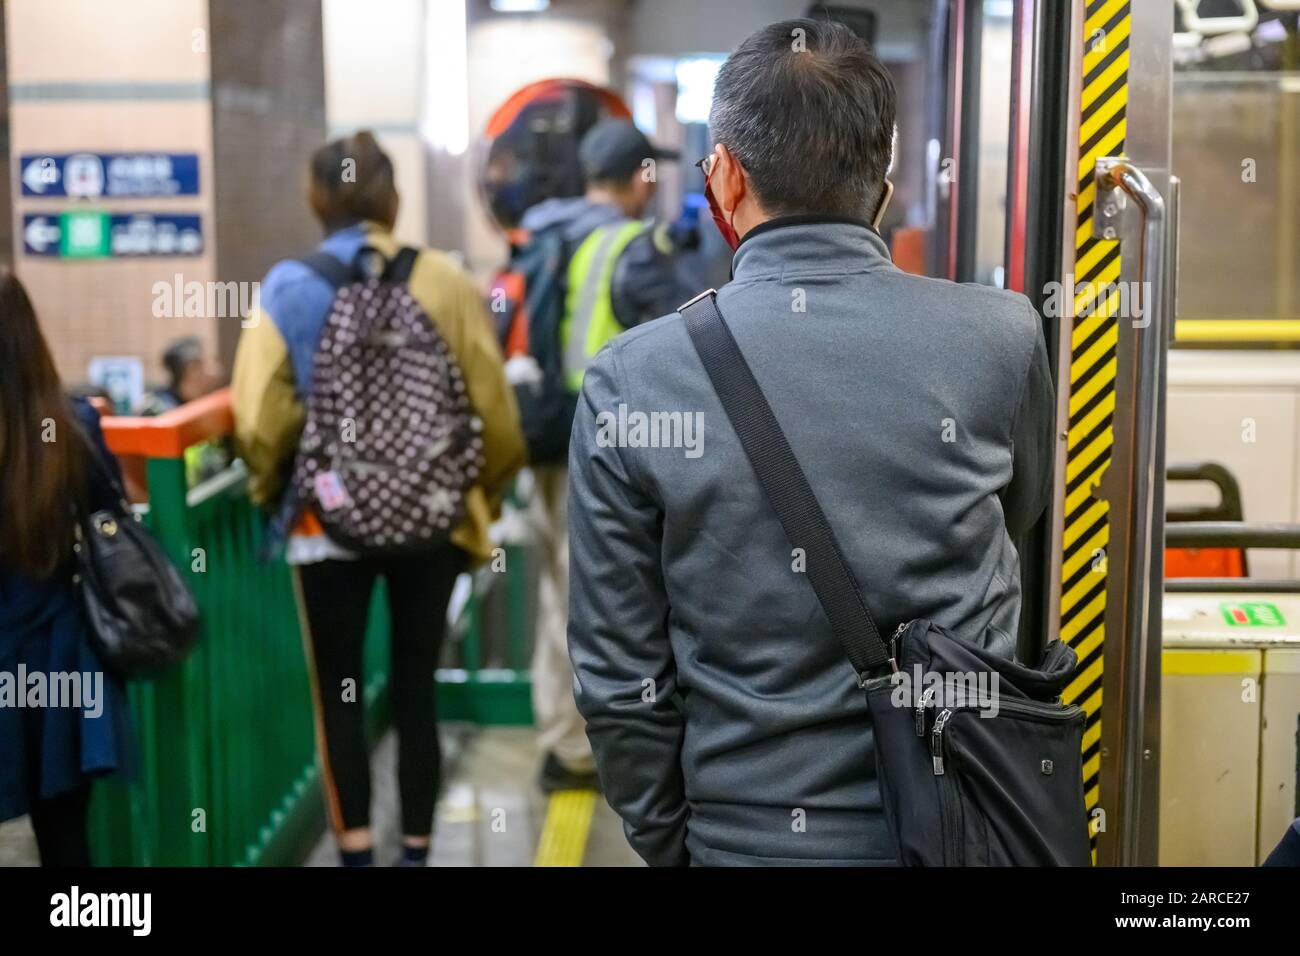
x: 331, y: 269
x: 400, y: 266
x: 368, y: 261
x: 96, y: 467
x: 785, y: 484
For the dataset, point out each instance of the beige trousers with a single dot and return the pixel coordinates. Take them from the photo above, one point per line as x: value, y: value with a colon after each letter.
x: 560, y: 728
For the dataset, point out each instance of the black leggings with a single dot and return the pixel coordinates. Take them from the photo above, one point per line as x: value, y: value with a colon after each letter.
x: 60, y: 825
x: 334, y: 597
x: 59, y: 821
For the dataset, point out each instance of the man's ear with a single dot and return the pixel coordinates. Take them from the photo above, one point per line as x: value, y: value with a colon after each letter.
x: 730, y: 186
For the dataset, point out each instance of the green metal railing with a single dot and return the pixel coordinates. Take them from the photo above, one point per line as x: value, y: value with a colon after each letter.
x: 225, y: 770
x: 488, y: 647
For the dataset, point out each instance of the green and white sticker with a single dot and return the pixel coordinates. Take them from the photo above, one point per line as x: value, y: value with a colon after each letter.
x: 1251, y: 614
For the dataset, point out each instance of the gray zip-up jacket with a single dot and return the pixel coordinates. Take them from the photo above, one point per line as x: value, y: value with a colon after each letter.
x: 726, y: 721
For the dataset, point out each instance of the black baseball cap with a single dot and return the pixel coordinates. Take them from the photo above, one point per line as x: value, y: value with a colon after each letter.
x: 615, y: 149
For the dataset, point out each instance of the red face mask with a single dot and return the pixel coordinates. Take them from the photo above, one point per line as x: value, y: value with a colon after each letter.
x: 725, y: 227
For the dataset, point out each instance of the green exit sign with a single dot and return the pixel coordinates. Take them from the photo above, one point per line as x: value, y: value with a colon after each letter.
x: 1251, y: 614
x: 84, y: 235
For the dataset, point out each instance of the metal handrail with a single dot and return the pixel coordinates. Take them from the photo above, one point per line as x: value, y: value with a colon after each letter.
x: 1213, y: 26
x: 1118, y: 174
x: 1232, y: 534
x: 1232, y: 586
x: 1229, y: 506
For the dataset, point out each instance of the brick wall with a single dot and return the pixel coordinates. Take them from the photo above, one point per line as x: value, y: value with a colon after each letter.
x: 137, y: 81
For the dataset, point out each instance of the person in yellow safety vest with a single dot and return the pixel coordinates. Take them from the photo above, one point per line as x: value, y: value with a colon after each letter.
x: 589, y: 317
x: 621, y: 273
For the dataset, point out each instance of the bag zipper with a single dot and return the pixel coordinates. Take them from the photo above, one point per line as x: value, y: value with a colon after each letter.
x: 1033, y: 709
x: 936, y: 740
x: 925, y: 700
x: 893, y: 640
x: 365, y: 467
x: 949, y: 803
x: 1041, y: 711
x: 341, y: 462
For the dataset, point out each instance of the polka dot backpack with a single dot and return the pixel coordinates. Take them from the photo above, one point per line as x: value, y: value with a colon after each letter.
x: 391, y: 444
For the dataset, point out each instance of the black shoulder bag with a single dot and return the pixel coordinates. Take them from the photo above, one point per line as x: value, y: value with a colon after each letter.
x: 978, y: 761
x: 141, y: 616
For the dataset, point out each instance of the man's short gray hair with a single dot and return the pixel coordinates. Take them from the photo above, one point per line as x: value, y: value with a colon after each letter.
x: 808, y: 110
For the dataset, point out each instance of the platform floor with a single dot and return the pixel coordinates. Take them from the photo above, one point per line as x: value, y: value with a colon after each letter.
x: 490, y: 813
x: 18, y: 844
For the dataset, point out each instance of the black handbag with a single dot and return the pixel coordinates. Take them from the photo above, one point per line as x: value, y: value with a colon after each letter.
x: 978, y: 761
x: 141, y: 616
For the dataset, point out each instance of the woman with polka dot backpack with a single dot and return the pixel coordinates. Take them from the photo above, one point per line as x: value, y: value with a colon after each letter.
x: 372, y: 411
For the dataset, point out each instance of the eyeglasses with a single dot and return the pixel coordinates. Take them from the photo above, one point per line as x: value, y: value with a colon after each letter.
x: 705, y: 165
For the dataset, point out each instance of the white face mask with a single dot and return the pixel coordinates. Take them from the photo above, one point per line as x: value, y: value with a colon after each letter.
x: 889, y: 186
x: 884, y: 204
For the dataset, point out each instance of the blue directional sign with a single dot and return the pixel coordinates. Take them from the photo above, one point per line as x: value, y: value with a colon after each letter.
x: 94, y: 234
x: 109, y: 175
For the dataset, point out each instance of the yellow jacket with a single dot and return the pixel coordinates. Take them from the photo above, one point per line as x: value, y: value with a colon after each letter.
x: 268, y: 409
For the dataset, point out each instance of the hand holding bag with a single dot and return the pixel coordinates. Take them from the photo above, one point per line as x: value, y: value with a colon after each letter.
x: 978, y: 761
x: 141, y: 616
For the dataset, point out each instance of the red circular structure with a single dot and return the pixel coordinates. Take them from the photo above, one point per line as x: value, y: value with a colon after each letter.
x: 530, y: 152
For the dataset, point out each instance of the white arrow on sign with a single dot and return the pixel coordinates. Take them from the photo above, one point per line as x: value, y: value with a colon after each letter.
x: 41, y: 233
x: 39, y: 173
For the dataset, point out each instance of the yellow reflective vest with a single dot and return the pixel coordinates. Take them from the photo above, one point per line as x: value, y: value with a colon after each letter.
x: 589, y: 321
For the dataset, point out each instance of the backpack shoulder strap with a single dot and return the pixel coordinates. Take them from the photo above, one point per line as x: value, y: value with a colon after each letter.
x: 785, y: 485
x: 551, y: 247
x: 399, y: 267
x: 331, y: 269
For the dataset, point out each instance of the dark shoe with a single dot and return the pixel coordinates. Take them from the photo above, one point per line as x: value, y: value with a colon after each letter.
x: 412, y: 856
x: 556, y: 776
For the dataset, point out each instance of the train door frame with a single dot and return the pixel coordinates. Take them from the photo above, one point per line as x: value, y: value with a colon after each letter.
x: 1094, y: 566
x: 957, y: 28
x: 1041, y: 137
x: 1107, y: 530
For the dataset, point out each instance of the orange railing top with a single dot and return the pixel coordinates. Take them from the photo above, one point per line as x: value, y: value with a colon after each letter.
x: 169, y: 434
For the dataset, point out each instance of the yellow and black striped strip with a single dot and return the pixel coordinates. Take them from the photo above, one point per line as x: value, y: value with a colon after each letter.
x: 1103, y: 104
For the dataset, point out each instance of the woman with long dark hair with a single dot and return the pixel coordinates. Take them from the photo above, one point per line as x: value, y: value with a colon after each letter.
x: 62, y: 718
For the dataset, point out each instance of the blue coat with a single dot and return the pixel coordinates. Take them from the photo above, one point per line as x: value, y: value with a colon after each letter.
x: 45, y: 751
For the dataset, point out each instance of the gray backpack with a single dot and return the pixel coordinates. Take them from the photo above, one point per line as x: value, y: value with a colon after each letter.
x: 391, y: 445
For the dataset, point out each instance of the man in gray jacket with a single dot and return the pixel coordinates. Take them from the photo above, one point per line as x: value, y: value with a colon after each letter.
x: 727, y: 724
